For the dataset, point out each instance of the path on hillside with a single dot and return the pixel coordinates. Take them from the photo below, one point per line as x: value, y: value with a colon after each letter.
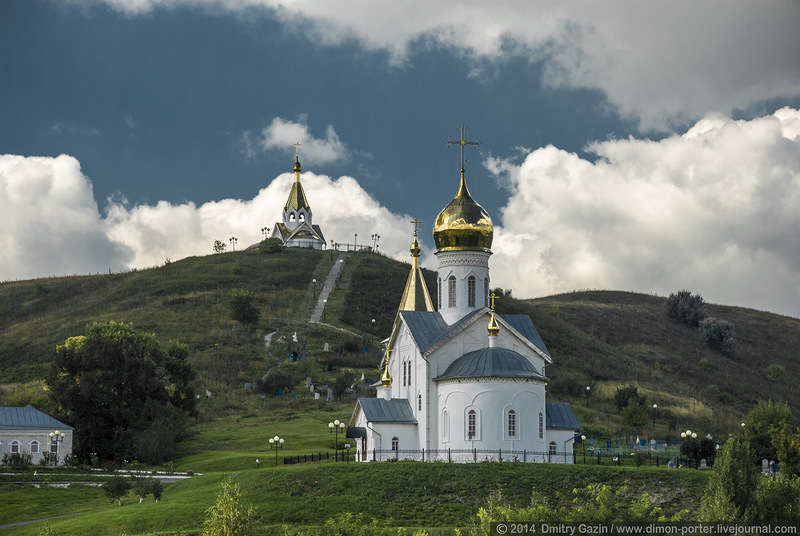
x: 327, y: 288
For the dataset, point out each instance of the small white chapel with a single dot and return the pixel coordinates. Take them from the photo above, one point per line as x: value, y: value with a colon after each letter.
x: 297, y: 228
x: 461, y: 383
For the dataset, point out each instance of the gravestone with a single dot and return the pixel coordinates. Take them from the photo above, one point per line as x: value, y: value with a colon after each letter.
x: 294, y: 337
x: 325, y: 348
x: 316, y: 396
x: 702, y: 463
x: 308, y: 381
x: 765, y: 466
x: 330, y: 394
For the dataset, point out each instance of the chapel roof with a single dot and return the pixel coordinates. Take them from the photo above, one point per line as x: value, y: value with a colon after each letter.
x: 15, y: 418
x: 395, y: 410
x: 429, y: 328
x: 297, y: 197
x: 491, y: 362
x: 560, y: 416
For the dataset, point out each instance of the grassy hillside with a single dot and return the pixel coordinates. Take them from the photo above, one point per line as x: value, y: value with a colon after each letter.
x: 601, y: 339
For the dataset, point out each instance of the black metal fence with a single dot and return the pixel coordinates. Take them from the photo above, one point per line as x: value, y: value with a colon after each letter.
x: 468, y: 455
x: 318, y: 457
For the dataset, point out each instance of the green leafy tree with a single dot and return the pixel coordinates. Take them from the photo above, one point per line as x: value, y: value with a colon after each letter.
x: 271, y: 245
x: 718, y: 334
x: 634, y: 416
x: 114, y: 383
x: 242, y: 307
x: 116, y: 488
x: 685, y: 308
x: 779, y: 500
x: 219, y: 246
x: 229, y: 516
x: 157, y: 489
x: 625, y: 395
x: 698, y: 449
x: 786, y: 441
x: 766, y: 418
x: 775, y: 372
x: 731, y: 492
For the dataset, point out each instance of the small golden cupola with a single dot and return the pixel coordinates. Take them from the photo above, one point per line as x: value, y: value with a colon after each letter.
x: 386, y: 377
x: 494, y: 329
x: 415, y: 296
x: 463, y: 224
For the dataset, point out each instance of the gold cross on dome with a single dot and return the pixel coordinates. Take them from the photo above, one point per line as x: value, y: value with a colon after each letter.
x: 462, y: 142
x: 297, y: 150
x: 492, y: 297
x: 416, y: 222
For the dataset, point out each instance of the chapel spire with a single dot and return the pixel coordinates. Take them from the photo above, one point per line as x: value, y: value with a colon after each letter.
x: 415, y: 296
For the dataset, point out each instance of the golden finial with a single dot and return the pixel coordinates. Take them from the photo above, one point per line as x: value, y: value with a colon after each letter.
x: 297, y: 168
x: 462, y: 142
x: 494, y: 329
x: 386, y: 377
x: 415, y: 249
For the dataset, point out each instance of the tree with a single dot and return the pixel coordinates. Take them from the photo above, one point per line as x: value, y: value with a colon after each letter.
x: 786, y: 441
x: 114, y: 384
x: 625, y: 395
x: 242, y: 308
x: 271, y: 245
x: 116, y: 488
x: 767, y: 417
x: 718, y: 334
x: 731, y: 492
x: 219, y: 246
x: 634, y: 416
x: 779, y: 500
x: 685, y: 308
x: 698, y: 449
x: 228, y: 516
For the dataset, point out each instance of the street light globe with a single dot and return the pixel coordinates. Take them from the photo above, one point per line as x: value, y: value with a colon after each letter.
x: 336, y: 422
x: 655, y: 406
x: 683, y: 434
x: 271, y: 441
x: 276, y: 438
x: 341, y: 425
x: 281, y: 441
x: 694, y: 435
x: 330, y: 425
x: 583, y: 438
x: 688, y: 432
x: 588, y: 388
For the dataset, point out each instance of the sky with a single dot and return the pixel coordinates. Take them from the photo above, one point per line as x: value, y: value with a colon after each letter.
x: 625, y: 145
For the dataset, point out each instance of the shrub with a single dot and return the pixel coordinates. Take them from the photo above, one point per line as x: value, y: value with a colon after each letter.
x: 626, y: 395
x: 271, y: 245
x: 116, y: 488
x: 20, y: 460
x: 718, y: 334
x: 229, y: 516
x: 775, y: 372
x: 685, y: 308
x: 276, y: 380
x: 779, y: 500
x: 634, y: 415
x: 730, y: 494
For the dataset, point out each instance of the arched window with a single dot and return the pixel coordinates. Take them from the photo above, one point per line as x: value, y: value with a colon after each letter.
x: 472, y: 424
x: 446, y: 425
x: 541, y: 425
x: 301, y: 216
x: 15, y: 447
x: 419, y: 402
x: 451, y: 291
x: 34, y: 447
x: 404, y: 373
x: 395, y: 444
x: 291, y: 216
x: 512, y: 423
x: 552, y: 448
x: 54, y: 445
x: 486, y: 291
x: 439, y: 293
x: 471, y: 291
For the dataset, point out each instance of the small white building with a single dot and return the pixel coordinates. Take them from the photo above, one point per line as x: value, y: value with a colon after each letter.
x: 462, y: 383
x: 28, y: 430
x: 297, y: 228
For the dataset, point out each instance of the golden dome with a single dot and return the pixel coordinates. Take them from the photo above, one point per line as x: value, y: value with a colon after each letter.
x: 296, y: 168
x: 463, y: 224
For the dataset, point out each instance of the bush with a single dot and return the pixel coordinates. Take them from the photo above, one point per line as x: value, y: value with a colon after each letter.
x: 20, y: 460
x: 730, y: 494
x: 271, y: 245
x: 634, y: 415
x: 626, y: 395
x: 775, y: 372
x: 276, y: 380
x: 685, y: 308
x: 718, y: 334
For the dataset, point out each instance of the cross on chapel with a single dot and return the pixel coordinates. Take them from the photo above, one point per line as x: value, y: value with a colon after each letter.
x: 462, y: 142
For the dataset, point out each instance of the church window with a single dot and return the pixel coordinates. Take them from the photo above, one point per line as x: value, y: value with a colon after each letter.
x: 541, y: 425
x: 512, y: 423
x: 472, y: 427
x: 419, y: 402
x: 15, y: 447
x: 34, y: 447
x: 395, y: 444
x: 471, y: 291
x: 404, y: 373
x: 439, y: 293
x: 301, y: 217
x: 552, y: 448
x: 486, y: 291
x: 291, y: 216
x: 451, y: 291
x: 445, y: 425
x: 54, y: 446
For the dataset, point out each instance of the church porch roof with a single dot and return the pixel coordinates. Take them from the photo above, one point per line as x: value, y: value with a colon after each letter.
x: 560, y: 416
x: 28, y: 417
x: 395, y: 410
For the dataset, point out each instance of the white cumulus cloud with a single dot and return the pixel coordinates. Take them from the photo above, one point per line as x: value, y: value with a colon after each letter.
x: 713, y: 211
x: 282, y: 135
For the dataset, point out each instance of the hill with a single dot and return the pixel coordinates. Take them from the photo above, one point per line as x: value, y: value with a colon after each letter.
x: 600, y: 339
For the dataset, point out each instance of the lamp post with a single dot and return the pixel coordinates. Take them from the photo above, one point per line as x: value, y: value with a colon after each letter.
x: 375, y: 238
x: 331, y: 250
x: 588, y: 389
x: 335, y: 426
x: 56, y: 437
x: 655, y: 407
x: 274, y: 443
x: 264, y: 232
x: 233, y: 241
x: 315, y: 289
x: 324, y: 306
x: 583, y: 444
x: 355, y: 240
x: 688, y: 434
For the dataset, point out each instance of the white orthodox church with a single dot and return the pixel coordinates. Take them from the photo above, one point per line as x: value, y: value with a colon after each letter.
x: 297, y: 228
x: 461, y: 383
